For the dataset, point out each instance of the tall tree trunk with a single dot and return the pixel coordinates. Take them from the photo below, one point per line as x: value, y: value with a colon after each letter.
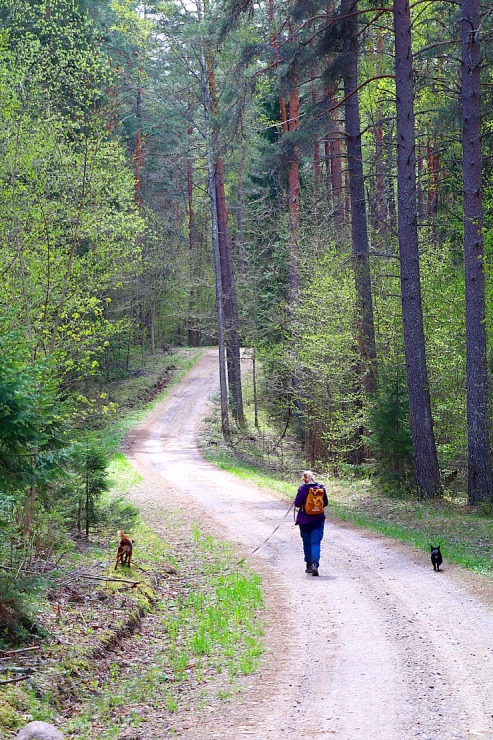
x: 229, y: 297
x: 215, y: 247
x: 479, y: 484
x: 193, y: 334
x: 138, y: 148
x: 424, y: 449
x: 381, y: 204
x: 294, y: 192
x: 359, y: 225
x: 227, y: 272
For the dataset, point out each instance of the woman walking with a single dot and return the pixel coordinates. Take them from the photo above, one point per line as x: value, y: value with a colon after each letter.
x: 311, y: 500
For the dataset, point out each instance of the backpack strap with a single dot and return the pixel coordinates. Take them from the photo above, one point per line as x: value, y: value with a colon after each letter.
x: 310, y: 485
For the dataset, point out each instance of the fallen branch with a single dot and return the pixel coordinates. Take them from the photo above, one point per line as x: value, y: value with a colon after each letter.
x: 118, y: 580
x: 14, y: 680
x: 20, y: 650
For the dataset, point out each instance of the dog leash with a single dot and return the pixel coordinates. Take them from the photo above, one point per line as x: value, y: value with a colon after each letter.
x: 240, y: 562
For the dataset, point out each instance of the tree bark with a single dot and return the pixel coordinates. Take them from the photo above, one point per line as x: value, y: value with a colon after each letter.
x: 193, y: 334
x: 381, y: 205
x: 229, y: 298
x: 138, y: 148
x: 215, y: 248
x: 424, y: 450
x: 294, y: 193
x: 359, y: 223
x: 226, y: 262
x: 479, y: 486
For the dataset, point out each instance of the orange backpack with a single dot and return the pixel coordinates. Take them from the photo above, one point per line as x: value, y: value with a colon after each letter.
x: 314, y: 503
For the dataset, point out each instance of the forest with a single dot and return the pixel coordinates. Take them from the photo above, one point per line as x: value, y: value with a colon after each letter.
x: 308, y: 180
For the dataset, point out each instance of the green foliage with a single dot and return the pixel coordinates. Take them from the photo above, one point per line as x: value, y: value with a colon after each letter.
x: 93, y: 473
x: 32, y: 432
x: 69, y: 225
x: 19, y: 602
x: 443, y: 285
x: 56, y: 52
x: 389, y: 433
x: 77, y: 498
x: 308, y: 377
x: 68, y: 232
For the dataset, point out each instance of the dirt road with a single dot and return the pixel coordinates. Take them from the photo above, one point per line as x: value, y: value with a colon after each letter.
x: 379, y: 647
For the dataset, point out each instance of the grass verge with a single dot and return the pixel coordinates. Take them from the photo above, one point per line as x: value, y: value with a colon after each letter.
x: 92, y: 680
x: 204, y: 623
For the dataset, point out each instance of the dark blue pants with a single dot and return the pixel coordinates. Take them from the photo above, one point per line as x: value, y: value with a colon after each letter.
x: 312, y: 537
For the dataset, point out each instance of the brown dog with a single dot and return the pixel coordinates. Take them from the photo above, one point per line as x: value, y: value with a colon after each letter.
x: 124, y: 552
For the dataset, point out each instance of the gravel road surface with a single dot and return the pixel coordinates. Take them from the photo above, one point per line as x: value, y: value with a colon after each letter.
x: 378, y: 647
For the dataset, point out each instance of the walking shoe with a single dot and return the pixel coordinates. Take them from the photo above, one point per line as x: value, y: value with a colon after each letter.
x: 314, y: 569
x: 309, y: 569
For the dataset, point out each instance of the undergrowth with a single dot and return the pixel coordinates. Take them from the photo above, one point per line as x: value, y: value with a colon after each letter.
x: 187, y: 625
x: 203, y: 623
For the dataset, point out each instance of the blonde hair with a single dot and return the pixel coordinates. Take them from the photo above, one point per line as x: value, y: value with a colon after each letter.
x: 308, y: 476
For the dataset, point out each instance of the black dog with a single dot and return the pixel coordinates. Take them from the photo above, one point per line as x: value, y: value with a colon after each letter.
x: 436, y: 557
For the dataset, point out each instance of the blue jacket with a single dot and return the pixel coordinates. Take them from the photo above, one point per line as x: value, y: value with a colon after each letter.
x: 299, y: 502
